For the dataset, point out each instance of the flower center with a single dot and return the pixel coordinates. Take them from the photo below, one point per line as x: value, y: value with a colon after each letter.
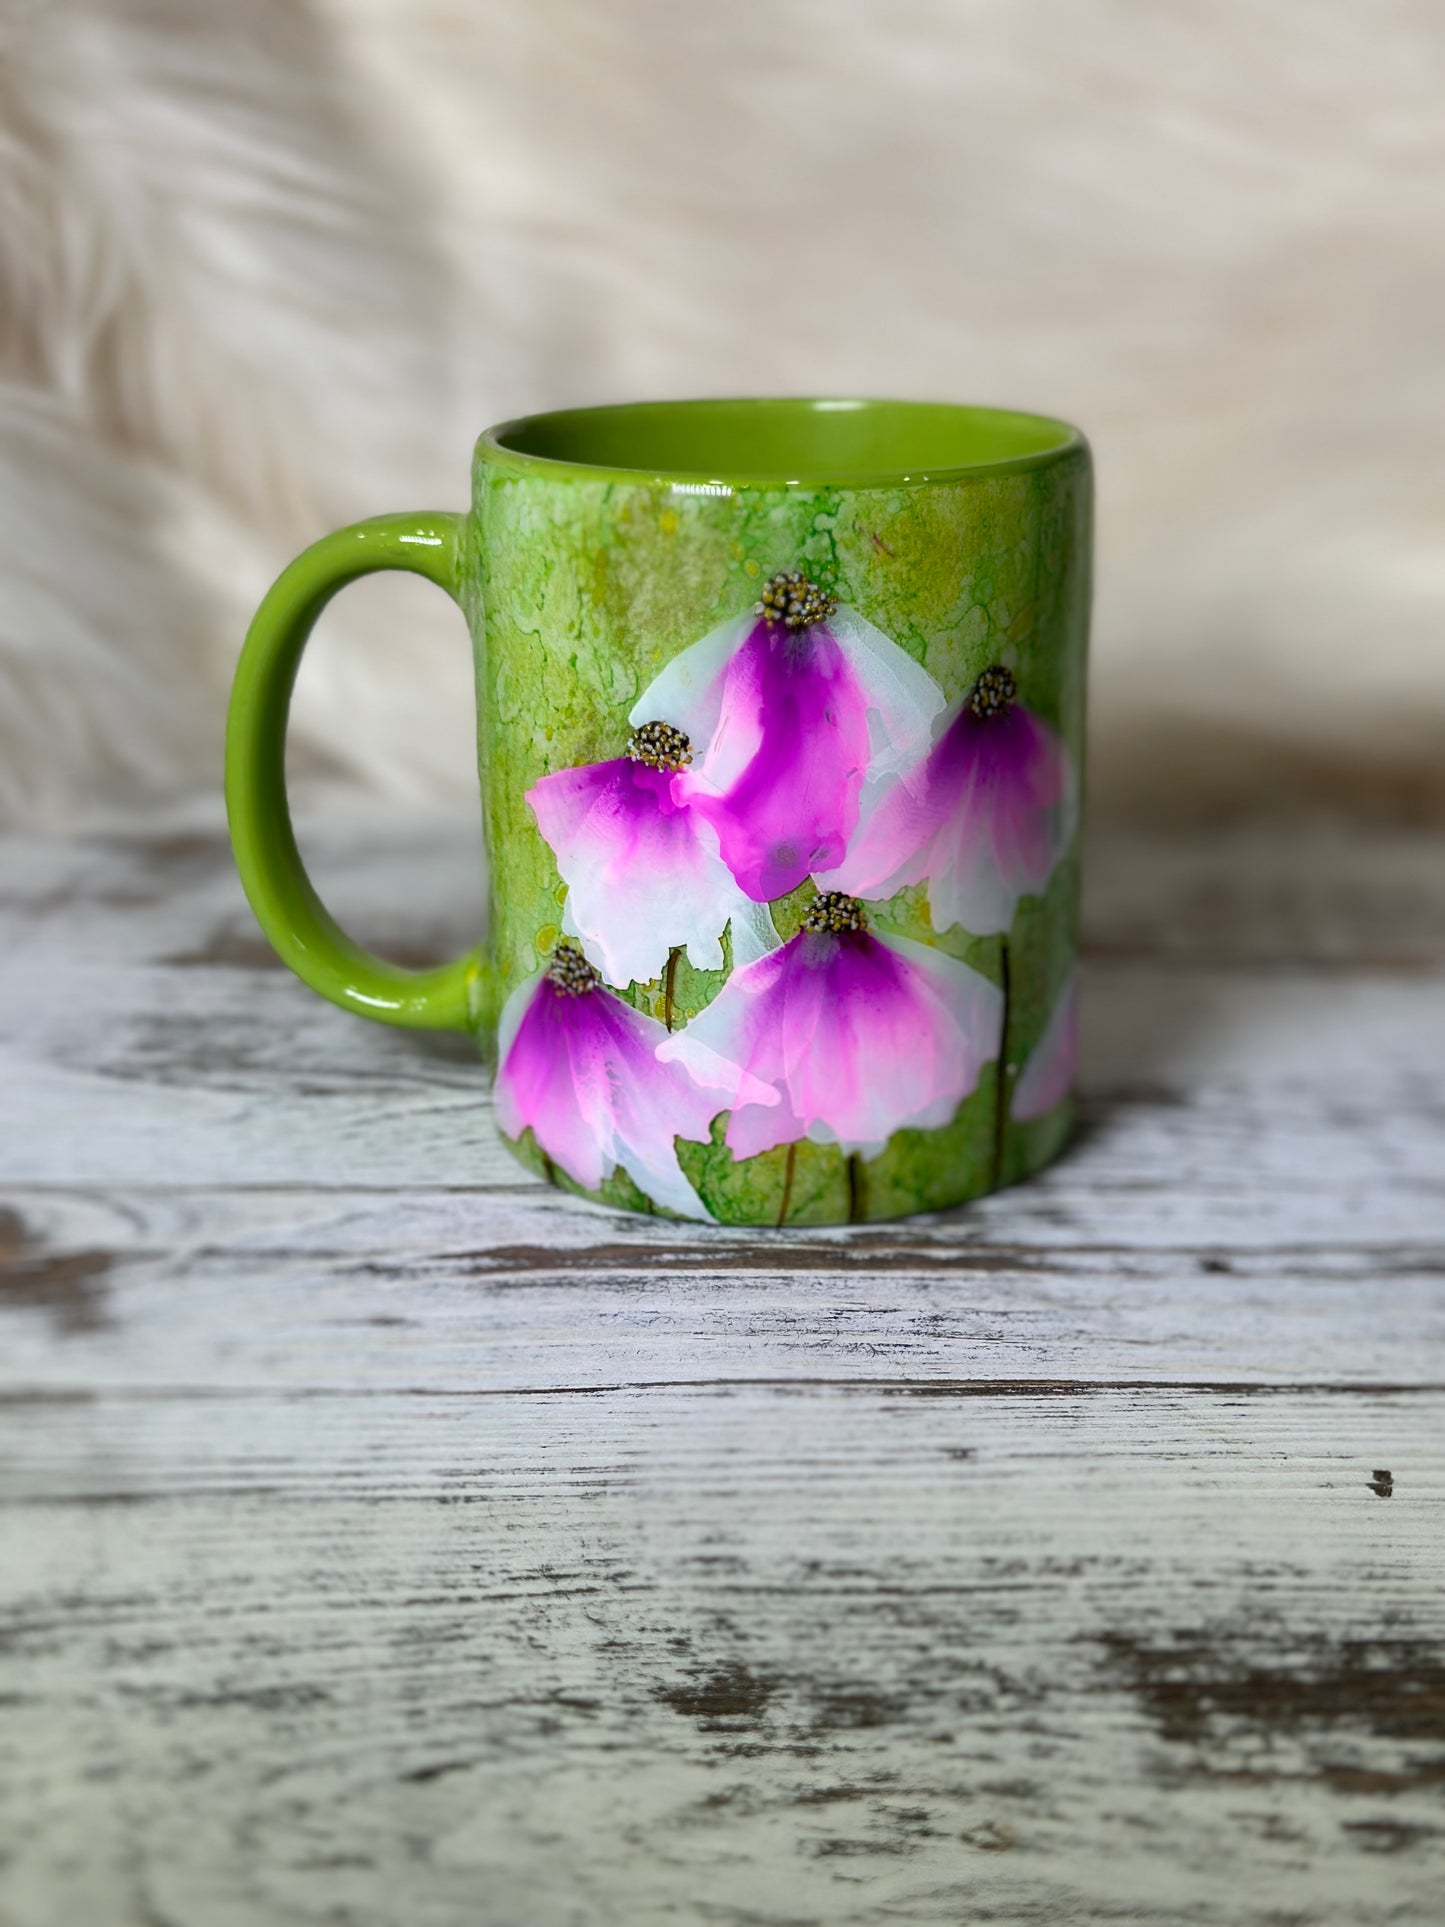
x: 660, y: 746
x: 569, y: 972
x: 833, y: 910
x: 794, y: 601
x: 994, y: 692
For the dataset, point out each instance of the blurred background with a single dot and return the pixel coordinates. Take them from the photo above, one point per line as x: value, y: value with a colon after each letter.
x: 269, y: 268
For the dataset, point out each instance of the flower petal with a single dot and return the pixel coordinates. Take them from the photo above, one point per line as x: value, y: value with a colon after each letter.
x: 687, y: 692
x: 754, y: 1128
x: 852, y: 1036
x: 534, y: 1082
x: 786, y: 726
x: 642, y: 873
x: 583, y: 1072
x: 1048, y: 1075
x: 903, y: 699
x: 754, y: 934
x: 984, y: 818
x: 712, y: 1061
x: 780, y: 777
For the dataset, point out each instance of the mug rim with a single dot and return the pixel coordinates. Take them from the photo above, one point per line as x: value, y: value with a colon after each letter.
x: 502, y: 447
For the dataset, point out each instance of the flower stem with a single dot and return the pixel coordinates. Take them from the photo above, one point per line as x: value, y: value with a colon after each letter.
x: 668, y: 981
x: 857, y: 1189
x: 549, y: 1169
x: 1000, y: 1121
x: 788, y: 1167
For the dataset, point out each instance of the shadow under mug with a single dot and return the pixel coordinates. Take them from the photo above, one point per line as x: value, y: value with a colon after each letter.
x: 780, y: 717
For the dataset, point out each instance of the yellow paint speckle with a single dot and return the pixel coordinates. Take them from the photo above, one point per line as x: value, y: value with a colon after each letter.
x: 752, y: 567
x: 667, y: 521
x: 546, y: 938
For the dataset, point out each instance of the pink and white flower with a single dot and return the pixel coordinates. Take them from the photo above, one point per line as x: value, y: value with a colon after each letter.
x: 1048, y: 1073
x: 582, y: 1069
x: 642, y: 868
x: 793, y: 707
x: 842, y: 1036
x: 983, y: 817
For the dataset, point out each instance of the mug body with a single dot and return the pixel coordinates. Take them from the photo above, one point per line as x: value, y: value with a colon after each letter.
x: 781, y: 712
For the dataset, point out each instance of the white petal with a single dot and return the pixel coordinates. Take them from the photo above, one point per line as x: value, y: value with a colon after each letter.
x: 641, y: 884
x: 704, y: 953
x: 652, y: 1104
x: 713, y: 1070
x: 903, y: 699
x: 513, y: 1010
x: 959, y: 1035
x: 1048, y: 1076
x: 888, y: 849
x: 657, y: 1173
x: 588, y: 1080
x: 688, y: 692
x: 779, y: 1039
x: 965, y: 887
x: 753, y: 932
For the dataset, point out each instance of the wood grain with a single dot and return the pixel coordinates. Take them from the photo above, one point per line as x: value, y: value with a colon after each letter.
x: 384, y: 1537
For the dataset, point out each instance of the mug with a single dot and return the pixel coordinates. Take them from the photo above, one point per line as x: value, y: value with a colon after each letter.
x: 780, y: 714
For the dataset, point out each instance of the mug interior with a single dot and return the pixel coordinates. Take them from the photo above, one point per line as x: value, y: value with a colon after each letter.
x: 792, y: 443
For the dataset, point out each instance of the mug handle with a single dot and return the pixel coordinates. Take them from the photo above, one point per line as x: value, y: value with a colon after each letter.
x: 456, y: 996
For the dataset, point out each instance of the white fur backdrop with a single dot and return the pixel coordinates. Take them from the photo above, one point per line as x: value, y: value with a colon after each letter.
x: 265, y: 268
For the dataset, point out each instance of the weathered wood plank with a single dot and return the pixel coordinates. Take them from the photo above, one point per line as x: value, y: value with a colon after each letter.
x: 383, y: 1536
x: 1332, y: 895
x: 830, y: 1655
x: 382, y: 1294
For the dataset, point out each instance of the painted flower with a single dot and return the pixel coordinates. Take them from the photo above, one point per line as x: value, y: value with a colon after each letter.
x: 581, y: 1068
x: 841, y: 1035
x: 984, y: 816
x: 1048, y: 1074
x: 792, y: 707
x: 642, y: 868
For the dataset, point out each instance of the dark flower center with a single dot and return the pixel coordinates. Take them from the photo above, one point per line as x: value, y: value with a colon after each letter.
x: 569, y: 972
x: 836, y: 912
x: 660, y: 746
x: 995, y: 691
x: 794, y: 601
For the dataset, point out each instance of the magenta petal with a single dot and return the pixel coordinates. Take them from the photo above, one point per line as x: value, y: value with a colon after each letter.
x: 642, y: 871
x: 855, y: 1036
x: 984, y: 818
x: 780, y: 779
x: 1048, y: 1076
x: 583, y: 1072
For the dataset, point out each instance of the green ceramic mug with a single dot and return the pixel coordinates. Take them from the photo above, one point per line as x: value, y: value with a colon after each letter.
x: 780, y: 722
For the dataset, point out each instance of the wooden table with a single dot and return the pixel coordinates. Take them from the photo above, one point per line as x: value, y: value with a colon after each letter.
x: 387, y: 1539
